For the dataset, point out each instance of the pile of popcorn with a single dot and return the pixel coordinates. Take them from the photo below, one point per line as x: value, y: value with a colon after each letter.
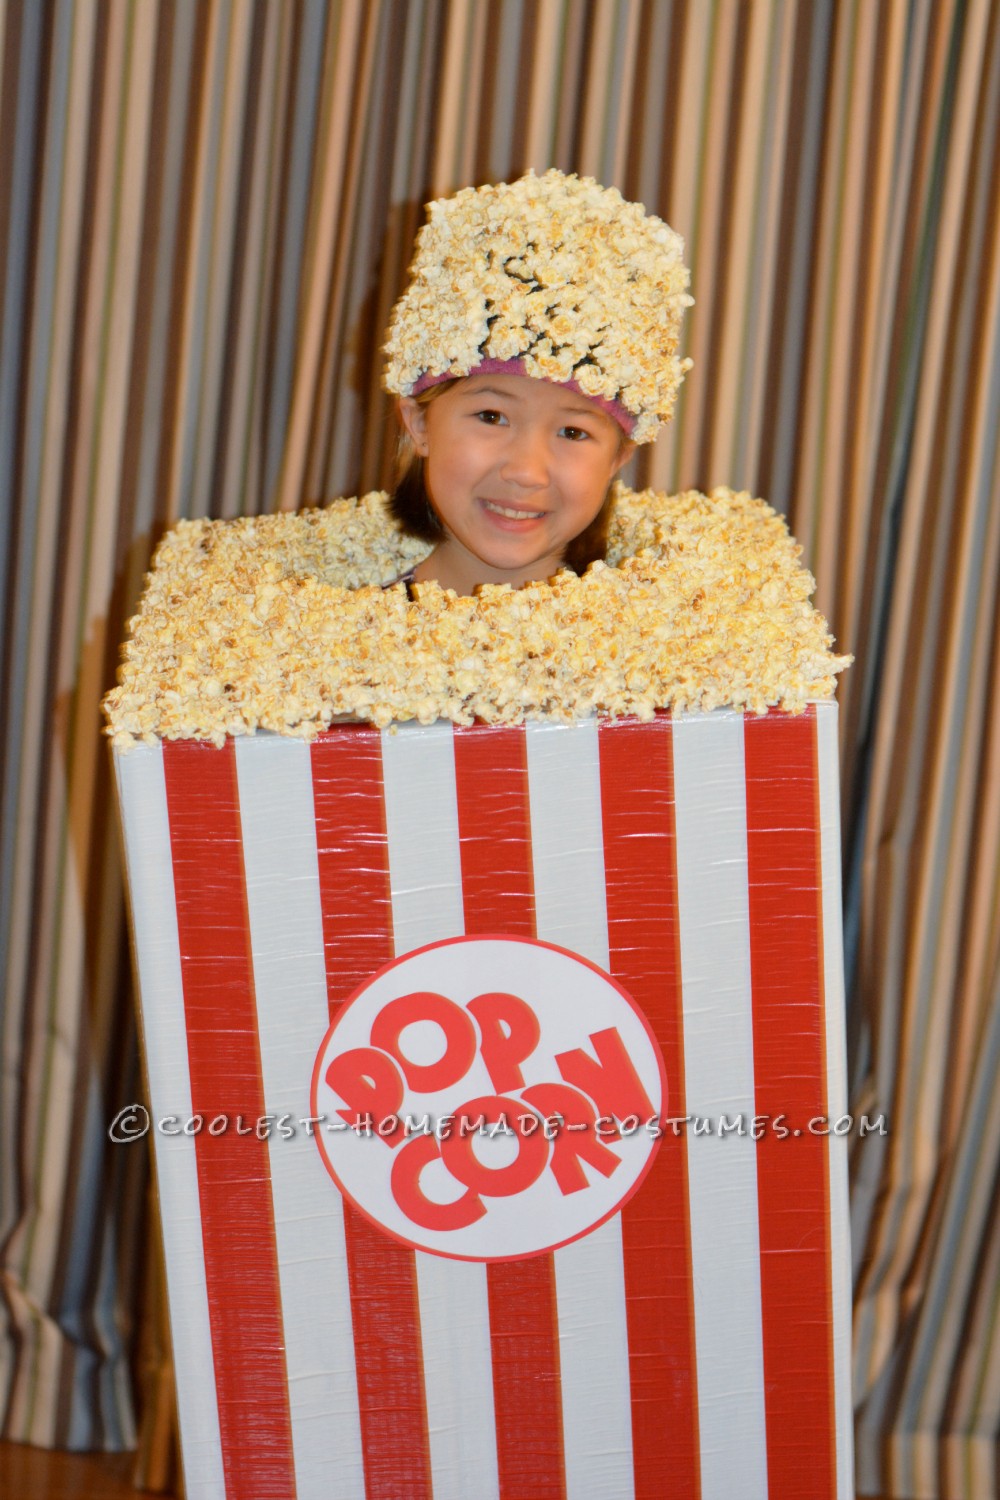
x: 557, y: 272
x: 282, y: 623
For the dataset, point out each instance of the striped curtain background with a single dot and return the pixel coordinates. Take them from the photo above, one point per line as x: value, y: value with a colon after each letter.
x: 206, y: 211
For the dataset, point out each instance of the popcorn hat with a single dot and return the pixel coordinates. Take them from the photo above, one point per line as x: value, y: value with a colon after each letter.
x: 553, y: 277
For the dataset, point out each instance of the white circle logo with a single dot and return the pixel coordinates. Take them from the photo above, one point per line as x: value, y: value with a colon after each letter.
x: 490, y: 1098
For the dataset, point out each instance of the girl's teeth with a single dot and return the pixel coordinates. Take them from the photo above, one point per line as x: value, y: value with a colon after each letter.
x: 514, y: 515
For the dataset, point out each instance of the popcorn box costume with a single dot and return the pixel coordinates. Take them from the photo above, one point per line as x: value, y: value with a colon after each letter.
x: 559, y: 864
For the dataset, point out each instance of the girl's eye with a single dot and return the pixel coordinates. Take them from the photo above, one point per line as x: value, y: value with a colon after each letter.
x: 490, y: 417
x: 576, y: 434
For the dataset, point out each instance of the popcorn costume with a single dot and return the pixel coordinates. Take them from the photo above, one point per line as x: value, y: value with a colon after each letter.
x: 403, y: 858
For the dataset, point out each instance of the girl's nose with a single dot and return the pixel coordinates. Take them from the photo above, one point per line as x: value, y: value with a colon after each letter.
x: 526, y: 461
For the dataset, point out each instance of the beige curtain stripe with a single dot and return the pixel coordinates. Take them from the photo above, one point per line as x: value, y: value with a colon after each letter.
x: 335, y: 412
x: 206, y: 84
x: 696, y: 171
x: 742, y: 290
x: 494, y: 144
x: 856, y: 253
x: 823, y: 331
x: 745, y: 462
x: 568, y: 85
x: 241, y: 457
x: 150, y: 497
x: 884, y: 287
x: 452, y: 135
x: 543, y: 28
x: 281, y: 256
x: 879, y: 278
x: 341, y: 56
x: 480, y: 66
x: 221, y: 251
x: 671, y: 185
x: 647, y: 121
x: 627, y: 72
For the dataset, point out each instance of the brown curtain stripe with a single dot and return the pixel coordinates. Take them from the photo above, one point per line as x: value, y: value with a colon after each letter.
x: 206, y: 211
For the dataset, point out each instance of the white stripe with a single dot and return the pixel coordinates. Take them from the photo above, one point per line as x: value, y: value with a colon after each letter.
x: 286, y: 937
x: 143, y: 799
x: 425, y: 874
x: 718, y: 1061
x: 836, y: 1082
x: 567, y: 848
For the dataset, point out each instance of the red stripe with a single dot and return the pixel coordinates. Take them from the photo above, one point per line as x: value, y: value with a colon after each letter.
x: 495, y: 841
x: 786, y: 955
x: 234, y: 1180
x: 637, y: 802
x: 357, y: 936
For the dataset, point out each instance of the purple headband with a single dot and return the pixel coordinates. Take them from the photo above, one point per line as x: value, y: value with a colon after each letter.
x: 625, y: 419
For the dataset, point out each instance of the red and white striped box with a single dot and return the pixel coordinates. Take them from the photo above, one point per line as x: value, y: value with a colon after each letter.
x: 688, y: 1335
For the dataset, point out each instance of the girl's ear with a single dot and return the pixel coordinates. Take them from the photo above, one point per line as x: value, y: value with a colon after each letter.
x: 414, y: 418
x: 624, y: 454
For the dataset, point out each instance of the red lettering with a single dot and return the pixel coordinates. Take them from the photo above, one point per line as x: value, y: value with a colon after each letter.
x: 418, y: 1153
x: 458, y: 1151
x: 571, y: 1147
x: 510, y: 1033
x: 459, y: 1038
x: 612, y: 1080
x: 370, y: 1086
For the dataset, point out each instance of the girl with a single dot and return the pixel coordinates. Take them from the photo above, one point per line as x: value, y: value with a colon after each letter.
x: 533, y: 349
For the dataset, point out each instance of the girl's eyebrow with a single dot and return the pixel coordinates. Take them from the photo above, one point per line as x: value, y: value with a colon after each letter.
x: 566, y: 407
x: 491, y: 390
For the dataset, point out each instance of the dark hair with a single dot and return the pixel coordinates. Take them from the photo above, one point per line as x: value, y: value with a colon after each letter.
x: 410, y: 505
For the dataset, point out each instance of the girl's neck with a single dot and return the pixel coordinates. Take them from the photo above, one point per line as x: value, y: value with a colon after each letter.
x: 453, y: 567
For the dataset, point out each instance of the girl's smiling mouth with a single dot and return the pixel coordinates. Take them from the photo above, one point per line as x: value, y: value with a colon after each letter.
x: 511, y: 512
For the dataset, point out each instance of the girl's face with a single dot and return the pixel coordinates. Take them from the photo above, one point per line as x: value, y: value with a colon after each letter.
x: 515, y: 469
